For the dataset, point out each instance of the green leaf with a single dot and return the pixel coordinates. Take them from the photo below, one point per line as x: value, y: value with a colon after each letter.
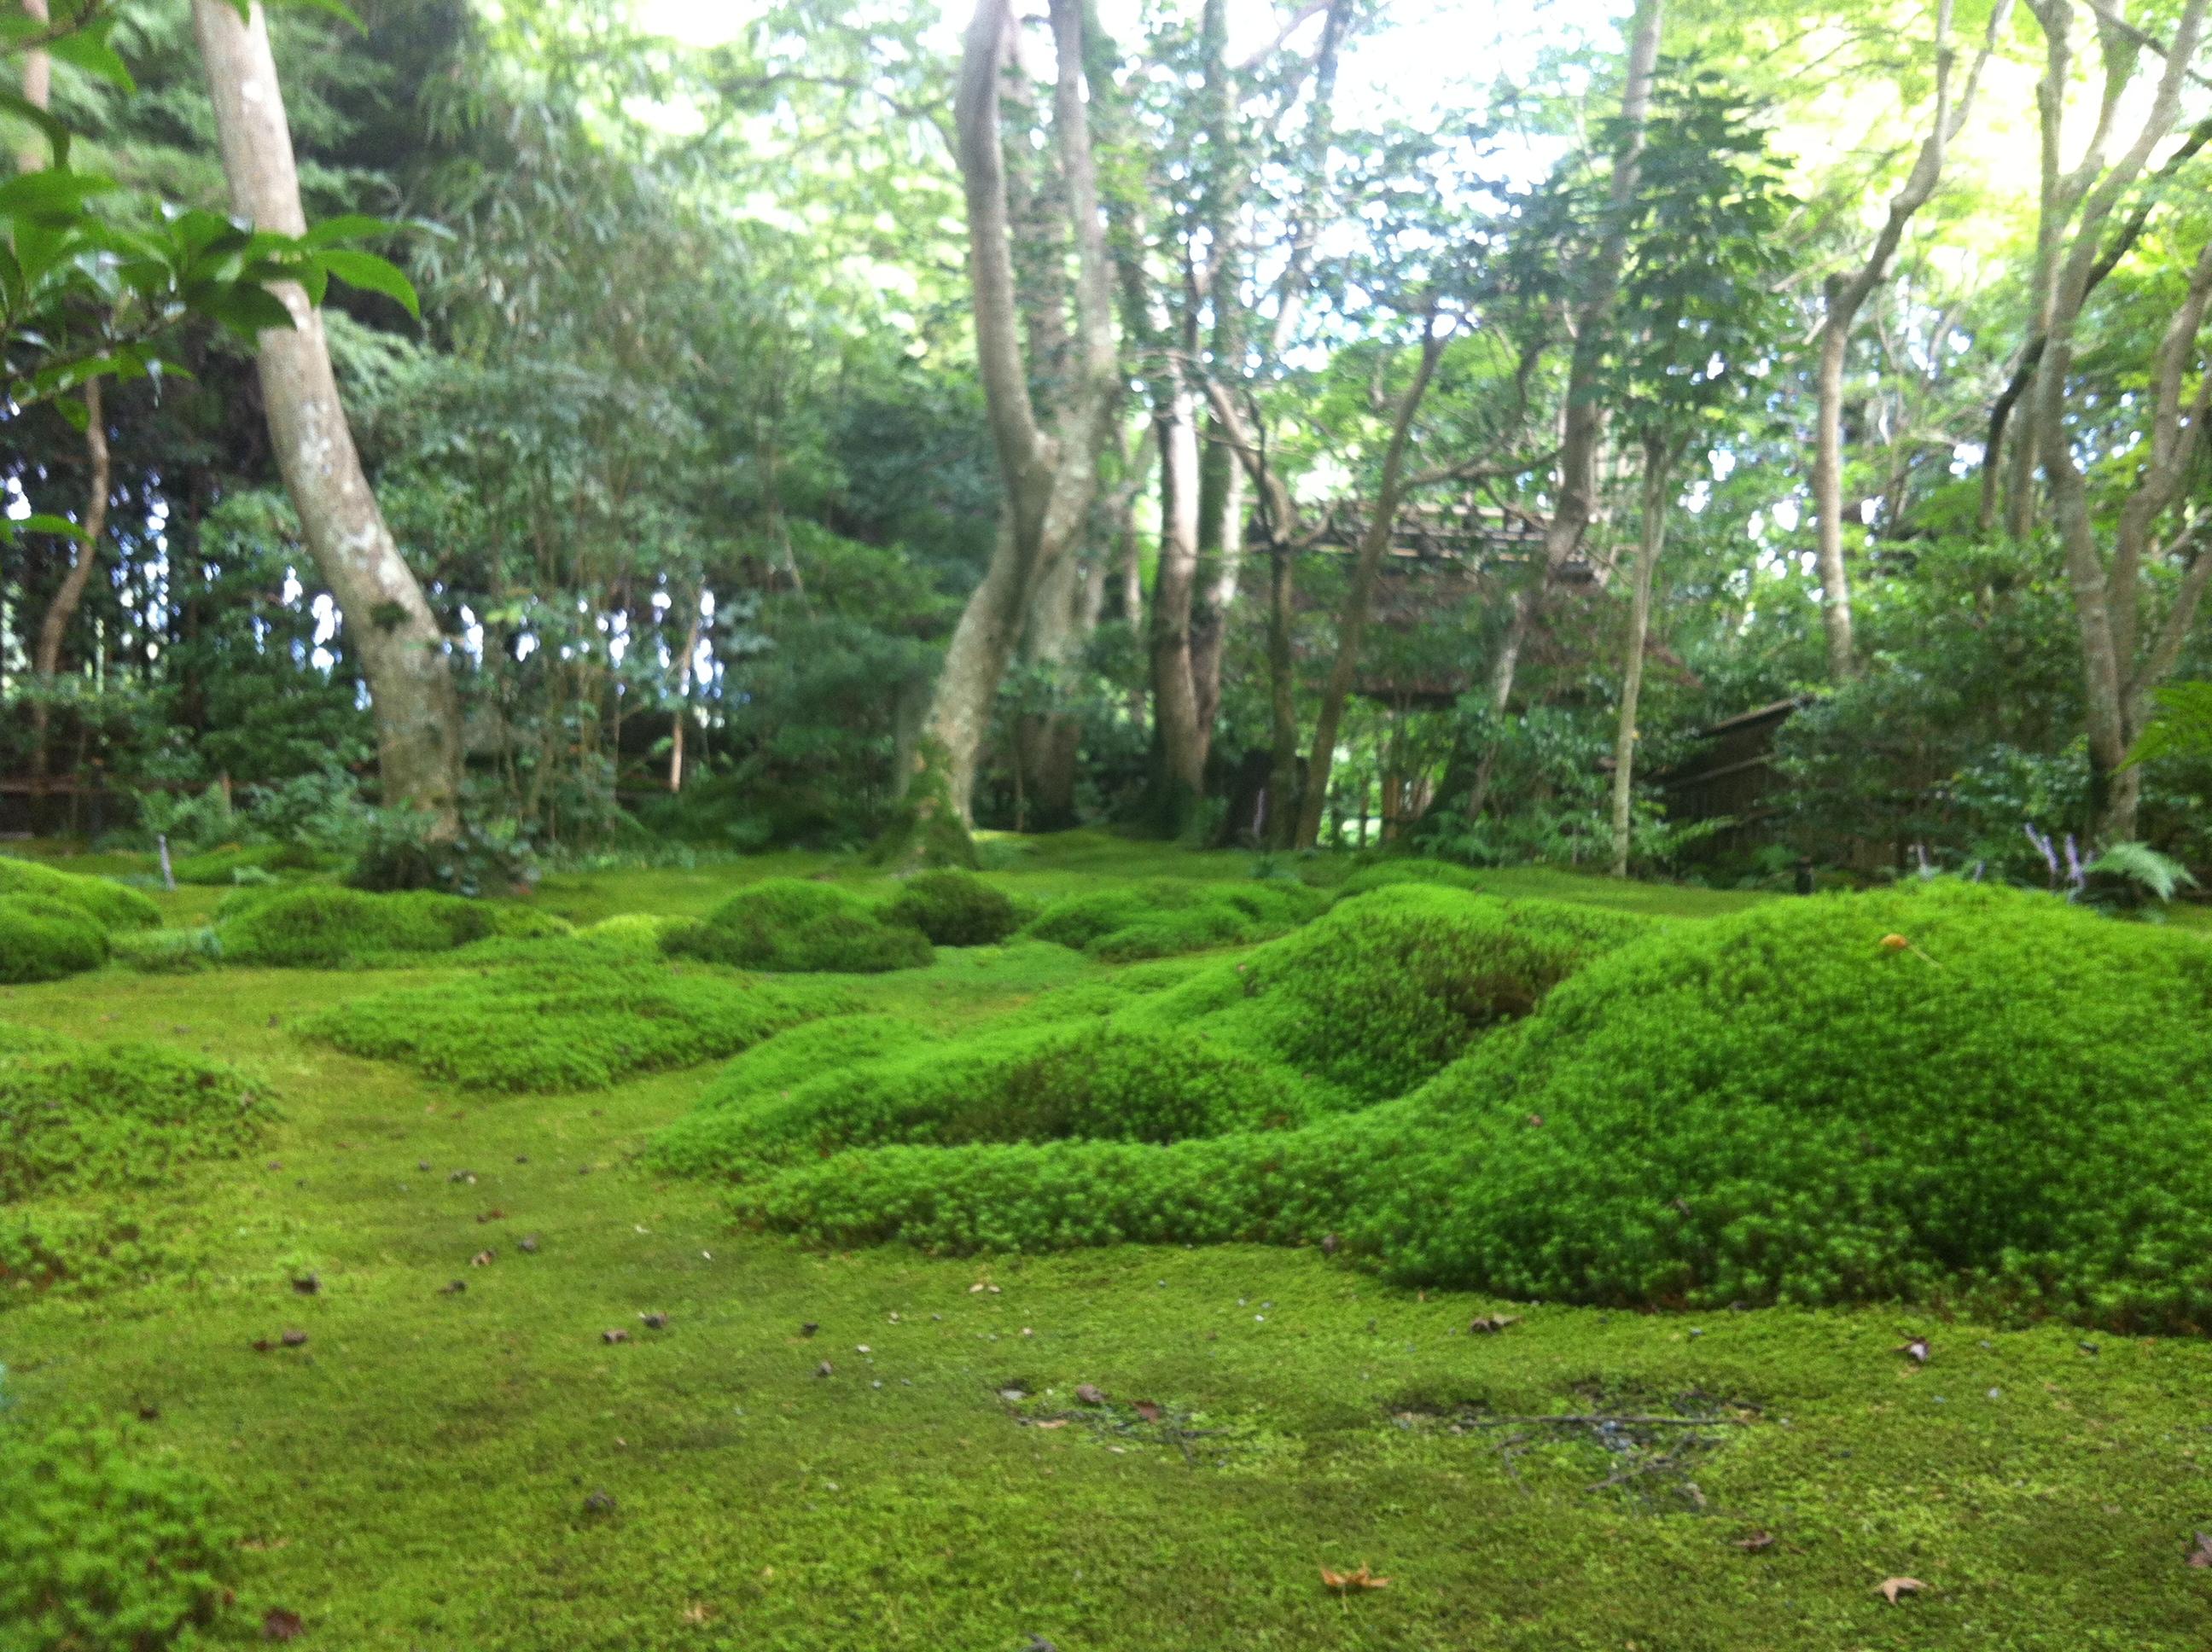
x: 51, y: 193
x: 88, y: 49
x: 41, y: 521
x: 347, y: 226
x: 248, y: 311
x: 372, y: 274
x: 56, y: 134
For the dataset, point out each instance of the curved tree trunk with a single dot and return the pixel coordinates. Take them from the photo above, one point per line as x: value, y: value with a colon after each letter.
x: 1650, y: 540
x: 1179, y: 745
x: 396, y: 637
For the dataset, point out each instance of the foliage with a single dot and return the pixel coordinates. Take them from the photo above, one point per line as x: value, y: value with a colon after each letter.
x: 110, y: 904
x: 106, y: 1545
x: 573, y: 1023
x: 2139, y: 871
x: 42, y: 938
x: 77, y: 1117
x: 401, y: 849
x: 787, y: 925
x: 953, y: 909
x: 2182, y: 727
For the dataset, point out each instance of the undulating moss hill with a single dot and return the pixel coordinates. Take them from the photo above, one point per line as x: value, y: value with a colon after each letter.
x: 372, y: 1262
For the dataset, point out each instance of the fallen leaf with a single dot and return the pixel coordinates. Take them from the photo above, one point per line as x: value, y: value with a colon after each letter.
x: 481, y: 1258
x: 599, y: 1502
x: 1148, y: 1411
x: 1050, y: 1422
x: 1890, y: 1587
x: 494, y: 1214
x: 1329, y: 1241
x: 809, y: 1329
x: 1089, y: 1393
x: 1917, y: 1351
x: 307, y: 1284
x: 654, y: 1321
x: 615, y: 1335
x: 529, y: 1245
x: 282, y: 1625
x: 455, y: 1289
x: 295, y: 1338
x: 825, y: 1369
x: 1756, y: 1541
x: 2201, y: 1555
x: 697, y: 1613
x: 1488, y: 1324
x: 1346, y: 1581
x: 262, y: 1345
x: 149, y: 1412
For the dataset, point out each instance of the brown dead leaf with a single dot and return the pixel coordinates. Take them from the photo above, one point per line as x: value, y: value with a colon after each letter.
x: 825, y: 1369
x: 1917, y: 1351
x: 494, y: 1214
x: 295, y: 1338
x: 1346, y: 1581
x: 1091, y: 1394
x: 615, y: 1336
x: 1148, y: 1411
x: 309, y: 1284
x: 1891, y: 1588
x: 282, y: 1625
x: 2200, y: 1554
x: 1488, y: 1324
x: 654, y: 1321
x: 481, y: 1258
x: 1755, y: 1541
x: 698, y: 1612
x: 1050, y: 1422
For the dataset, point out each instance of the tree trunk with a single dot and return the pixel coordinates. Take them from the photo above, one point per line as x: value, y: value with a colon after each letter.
x: 396, y: 637
x: 1283, y: 803
x: 1047, y: 742
x: 1584, y: 419
x: 53, y: 625
x: 1051, y: 476
x: 1358, y: 599
x: 1179, y: 749
x: 1650, y: 540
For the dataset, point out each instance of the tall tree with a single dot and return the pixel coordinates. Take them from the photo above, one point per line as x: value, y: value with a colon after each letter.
x: 1049, y: 465
x: 1843, y: 297
x: 2111, y: 557
x: 397, y: 638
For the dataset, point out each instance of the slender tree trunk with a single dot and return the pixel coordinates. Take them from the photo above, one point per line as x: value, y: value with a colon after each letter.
x: 1282, y: 700
x: 395, y: 635
x: 1221, y: 569
x: 1583, y: 423
x: 53, y: 625
x: 1358, y: 599
x: 1650, y: 540
x: 1179, y: 746
x: 681, y: 722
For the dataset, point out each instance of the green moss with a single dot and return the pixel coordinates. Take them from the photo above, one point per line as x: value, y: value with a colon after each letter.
x: 77, y: 1116
x: 221, y: 868
x: 56, y: 1248
x: 792, y: 925
x: 113, y: 905
x: 168, y: 951
x: 1408, y: 870
x: 1166, y: 917
x: 106, y: 1547
x: 1091, y: 1081
x: 325, y: 927
x: 43, y: 938
x: 574, y: 1024
x: 953, y: 909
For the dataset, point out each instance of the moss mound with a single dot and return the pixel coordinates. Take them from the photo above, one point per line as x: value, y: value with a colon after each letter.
x: 572, y: 1022
x: 42, y: 938
x: 1950, y: 1094
x: 221, y: 868
x: 324, y: 927
x: 792, y: 925
x: 953, y: 909
x: 112, y: 905
x: 74, y: 1252
x: 79, y: 1116
x: 1095, y: 1082
x: 1166, y: 917
x: 106, y: 1548
x: 1408, y: 870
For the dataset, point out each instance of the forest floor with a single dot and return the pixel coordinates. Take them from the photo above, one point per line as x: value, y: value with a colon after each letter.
x: 422, y: 1473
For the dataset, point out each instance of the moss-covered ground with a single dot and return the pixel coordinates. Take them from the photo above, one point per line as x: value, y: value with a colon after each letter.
x: 422, y: 1473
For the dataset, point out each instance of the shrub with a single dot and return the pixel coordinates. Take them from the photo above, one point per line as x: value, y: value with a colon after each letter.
x: 790, y: 925
x: 104, y: 1547
x: 953, y: 909
x: 109, y: 903
x: 1098, y: 1081
x: 323, y: 927
x: 575, y: 1022
x: 42, y: 938
x: 77, y: 1116
x: 1954, y: 1094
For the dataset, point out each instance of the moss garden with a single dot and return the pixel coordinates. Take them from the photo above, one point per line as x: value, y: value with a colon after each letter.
x: 1090, y: 1251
